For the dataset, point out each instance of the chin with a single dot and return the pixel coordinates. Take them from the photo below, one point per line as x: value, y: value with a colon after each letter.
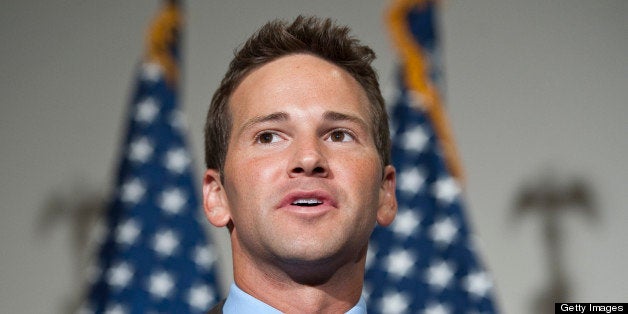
x: 311, y: 268
x: 321, y: 253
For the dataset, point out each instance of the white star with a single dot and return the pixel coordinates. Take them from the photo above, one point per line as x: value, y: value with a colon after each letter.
x: 204, y: 257
x: 440, y: 274
x: 366, y: 290
x: 436, y: 308
x: 394, y: 302
x: 127, y: 232
x: 405, y: 223
x: 446, y: 190
x: 119, y: 275
x: 172, y: 200
x: 165, y: 242
x: 444, y: 231
x: 399, y: 263
x: 370, y: 255
x: 200, y: 297
x: 478, y: 283
x: 411, y: 180
x: 414, y: 139
x: 147, y: 110
x: 177, y: 120
x: 177, y: 160
x: 140, y: 150
x: 160, y: 284
x: 115, y: 308
x: 132, y: 191
x: 151, y: 72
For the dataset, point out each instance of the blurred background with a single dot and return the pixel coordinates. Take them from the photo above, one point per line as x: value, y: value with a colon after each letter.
x: 536, y: 91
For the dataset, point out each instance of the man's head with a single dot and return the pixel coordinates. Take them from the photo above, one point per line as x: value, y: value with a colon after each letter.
x: 304, y: 176
x: 276, y: 39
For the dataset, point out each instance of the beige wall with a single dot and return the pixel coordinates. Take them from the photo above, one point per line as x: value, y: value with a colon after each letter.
x: 534, y: 88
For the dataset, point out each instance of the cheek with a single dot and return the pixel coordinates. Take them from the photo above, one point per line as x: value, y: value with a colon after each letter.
x: 362, y: 173
x: 360, y: 181
x: 247, y: 177
x: 258, y: 172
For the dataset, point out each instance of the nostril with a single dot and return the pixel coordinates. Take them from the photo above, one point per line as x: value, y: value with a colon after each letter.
x: 318, y: 171
x: 308, y: 163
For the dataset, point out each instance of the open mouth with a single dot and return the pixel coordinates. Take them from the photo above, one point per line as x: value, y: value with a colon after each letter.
x: 307, y: 202
x: 312, y: 202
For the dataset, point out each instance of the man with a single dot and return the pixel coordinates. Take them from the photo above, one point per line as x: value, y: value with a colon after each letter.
x: 298, y: 156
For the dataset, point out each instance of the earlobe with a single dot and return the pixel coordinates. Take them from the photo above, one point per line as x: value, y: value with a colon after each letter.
x: 214, y: 199
x: 387, y: 198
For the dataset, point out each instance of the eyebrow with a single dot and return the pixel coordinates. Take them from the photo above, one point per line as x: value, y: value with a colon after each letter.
x: 338, y: 116
x: 275, y: 116
x: 284, y: 116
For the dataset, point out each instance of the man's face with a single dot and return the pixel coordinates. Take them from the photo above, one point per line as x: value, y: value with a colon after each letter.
x: 302, y: 179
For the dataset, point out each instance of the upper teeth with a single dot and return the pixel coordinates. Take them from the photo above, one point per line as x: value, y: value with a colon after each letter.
x: 306, y: 201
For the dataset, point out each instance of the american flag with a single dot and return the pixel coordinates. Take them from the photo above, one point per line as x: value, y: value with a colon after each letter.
x: 425, y: 261
x: 155, y: 257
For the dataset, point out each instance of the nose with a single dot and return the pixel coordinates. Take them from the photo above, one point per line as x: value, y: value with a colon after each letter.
x: 308, y: 159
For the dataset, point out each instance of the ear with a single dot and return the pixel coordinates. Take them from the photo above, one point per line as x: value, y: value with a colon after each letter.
x: 215, y: 199
x: 387, y: 199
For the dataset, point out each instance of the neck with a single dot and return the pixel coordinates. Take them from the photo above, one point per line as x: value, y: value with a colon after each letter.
x: 300, y: 287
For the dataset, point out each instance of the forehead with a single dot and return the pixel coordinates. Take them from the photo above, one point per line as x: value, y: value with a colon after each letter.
x: 298, y: 81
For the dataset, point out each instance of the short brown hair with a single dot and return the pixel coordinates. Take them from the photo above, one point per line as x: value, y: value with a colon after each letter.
x: 310, y: 35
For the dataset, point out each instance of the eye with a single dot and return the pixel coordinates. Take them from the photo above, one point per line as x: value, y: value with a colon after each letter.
x: 340, y: 136
x: 267, y: 138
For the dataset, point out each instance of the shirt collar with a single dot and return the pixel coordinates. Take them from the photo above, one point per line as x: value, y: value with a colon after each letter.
x: 240, y: 302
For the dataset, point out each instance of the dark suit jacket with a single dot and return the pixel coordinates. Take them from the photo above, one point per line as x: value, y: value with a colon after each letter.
x: 217, y: 309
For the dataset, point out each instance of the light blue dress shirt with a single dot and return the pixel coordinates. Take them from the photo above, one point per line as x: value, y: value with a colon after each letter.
x: 240, y: 302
